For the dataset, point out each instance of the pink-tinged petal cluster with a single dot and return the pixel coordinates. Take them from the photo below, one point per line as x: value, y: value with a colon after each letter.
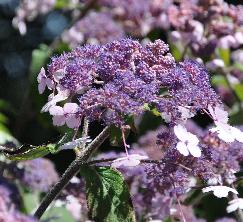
x: 29, y: 10
x: 69, y: 115
x: 44, y: 81
x: 54, y: 99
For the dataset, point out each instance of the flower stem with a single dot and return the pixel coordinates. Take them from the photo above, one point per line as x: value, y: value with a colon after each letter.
x: 85, y: 132
x: 71, y: 171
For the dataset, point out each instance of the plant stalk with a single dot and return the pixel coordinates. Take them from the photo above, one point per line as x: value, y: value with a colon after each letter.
x: 71, y: 171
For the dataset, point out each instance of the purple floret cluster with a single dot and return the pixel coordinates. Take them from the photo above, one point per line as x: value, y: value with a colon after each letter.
x: 118, y: 79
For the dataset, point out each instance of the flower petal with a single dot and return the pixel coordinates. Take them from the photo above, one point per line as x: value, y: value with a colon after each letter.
x: 42, y: 75
x: 73, y: 122
x: 182, y: 148
x: 56, y: 111
x: 237, y: 134
x: 71, y: 108
x: 128, y: 161
x: 219, y: 191
x: 181, y: 132
x: 42, y: 86
x: 194, y: 150
x: 58, y: 120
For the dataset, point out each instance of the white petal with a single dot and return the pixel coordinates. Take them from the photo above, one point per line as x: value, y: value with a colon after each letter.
x: 226, y: 136
x: 185, y: 113
x: 181, y: 132
x: 192, y: 139
x: 232, y: 207
x: 219, y: 191
x: 60, y: 97
x: 54, y: 100
x: 221, y: 115
x: 75, y: 180
x: 56, y: 111
x: 138, y: 156
x: 182, y: 148
x: 224, y: 132
x: 218, y: 114
x: 59, y: 74
x: 71, y: 108
x: 237, y: 134
x: 194, y: 150
x: 211, y: 111
x: 129, y: 161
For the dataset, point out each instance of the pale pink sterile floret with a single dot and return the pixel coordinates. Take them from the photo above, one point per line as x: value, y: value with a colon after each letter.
x: 128, y: 161
x: 54, y: 99
x: 44, y: 81
x: 68, y: 114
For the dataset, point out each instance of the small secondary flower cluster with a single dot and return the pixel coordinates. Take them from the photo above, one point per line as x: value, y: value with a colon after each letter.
x: 196, y: 23
x: 157, y: 186
x: 94, y: 28
x: 33, y: 175
x: 8, y: 210
x: 28, y: 10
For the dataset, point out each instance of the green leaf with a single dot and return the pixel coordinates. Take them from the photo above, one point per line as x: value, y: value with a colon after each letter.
x: 217, y: 80
x: 28, y: 152
x: 30, y: 201
x: 176, y: 52
x: 238, y: 88
x: 236, y: 119
x: 224, y: 55
x: 54, y: 148
x: 60, y: 4
x: 39, y: 57
x: 3, y: 118
x: 238, y: 66
x: 107, y: 195
x: 57, y: 214
x: 5, y: 136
